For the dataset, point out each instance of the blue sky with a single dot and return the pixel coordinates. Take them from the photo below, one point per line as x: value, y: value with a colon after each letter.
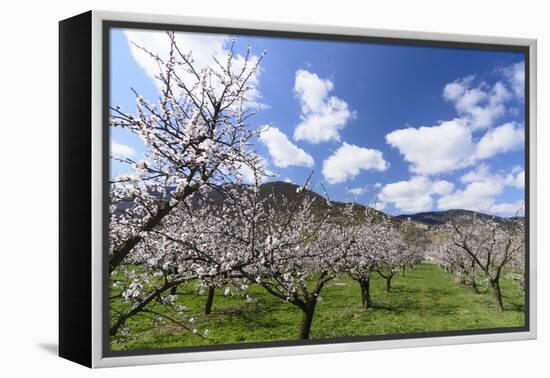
x: 402, y: 128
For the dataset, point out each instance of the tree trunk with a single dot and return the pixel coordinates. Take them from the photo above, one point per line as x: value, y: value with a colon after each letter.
x: 366, y: 300
x: 498, y: 295
x: 475, y: 288
x: 388, y: 283
x: 174, y: 290
x: 307, y: 320
x: 462, y: 278
x: 403, y: 270
x: 474, y: 283
x: 209, y: 300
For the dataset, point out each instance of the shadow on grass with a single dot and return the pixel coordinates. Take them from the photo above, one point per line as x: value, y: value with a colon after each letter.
x: 264, y: 322
x: 385, y: 307
x: 227, y: 312
x: 415, y: 291
x: 253, y: 314
x: 513, y: 307
x: 409, y: 301
x: 443, y: 309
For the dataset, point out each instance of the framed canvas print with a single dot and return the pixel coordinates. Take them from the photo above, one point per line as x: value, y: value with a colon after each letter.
x: 238, y: 189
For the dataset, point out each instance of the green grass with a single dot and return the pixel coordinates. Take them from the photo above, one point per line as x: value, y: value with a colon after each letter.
x: 425, y: 300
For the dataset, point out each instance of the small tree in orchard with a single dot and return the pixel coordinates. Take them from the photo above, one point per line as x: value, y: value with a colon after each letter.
x: 297, y: 256
x: 416, y: 241
x: 362, y: 257
x: 492, y: 246
x: 223, y: 225
x: 517, y: 269
x: 391, y: 253
x: 455, y: 261
x: 196, y: 135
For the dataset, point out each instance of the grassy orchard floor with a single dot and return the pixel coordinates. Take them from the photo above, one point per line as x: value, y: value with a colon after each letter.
x: 425, y: 300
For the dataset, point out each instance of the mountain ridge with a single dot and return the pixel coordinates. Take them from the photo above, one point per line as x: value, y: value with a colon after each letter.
x: 430, y: 218
x: 436, y: 218
x: 278, y: 189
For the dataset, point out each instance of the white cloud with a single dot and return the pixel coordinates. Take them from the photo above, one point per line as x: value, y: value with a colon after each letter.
x: 451, y: 145
x: 287, y: 180
x: 379, y: 205
x: 515, y: 74
x: 477, y: 196
x: 456, y: 144
x: 507, y: 209
x: 436, y: 149
x: 480, y: 193
x: 478, y: 106
x: 312, y: 91
x: 462, y: 95
x: 247, y: 173
x: 283, y: 152
x: 481, y: 173
x: 357, y: 191
x: 415, y: 194
x: 505, y: 138
x: 481, y: 190
x: 204, y: 48
x: 517, y: 180
x: 442, y: 187
x: 499, y: 94
x: 121, y: 150
x: 322, y: 116
x: 348, y: 160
